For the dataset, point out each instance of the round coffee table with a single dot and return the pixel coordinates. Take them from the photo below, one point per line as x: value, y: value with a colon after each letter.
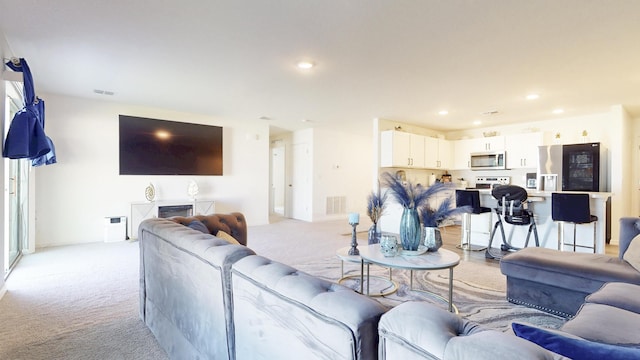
x: 343, y: 254
x: 441, y: 259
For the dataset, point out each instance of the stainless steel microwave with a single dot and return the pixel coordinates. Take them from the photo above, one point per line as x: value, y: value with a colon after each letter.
x: 488, y: 160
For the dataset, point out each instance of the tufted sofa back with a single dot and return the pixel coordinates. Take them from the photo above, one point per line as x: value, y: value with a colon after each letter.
x: 233, y: 224
x: 282, y: 313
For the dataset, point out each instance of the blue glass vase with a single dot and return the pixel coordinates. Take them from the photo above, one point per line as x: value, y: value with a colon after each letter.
x: 410, y: 229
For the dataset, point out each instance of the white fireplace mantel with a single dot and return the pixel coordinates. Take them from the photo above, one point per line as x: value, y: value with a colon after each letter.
x: 141, y: 211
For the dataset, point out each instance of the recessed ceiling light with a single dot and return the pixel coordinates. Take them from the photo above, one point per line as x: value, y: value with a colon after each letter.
x: 558, y: 111
x: 264, y: 118
x: 305, y: 65
x: 477, y: 122
x: 533, y: 96
x: 443, y: 112
x: 305, y: 120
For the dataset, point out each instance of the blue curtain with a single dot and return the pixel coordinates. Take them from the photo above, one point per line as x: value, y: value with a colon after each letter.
x: 26, y: 137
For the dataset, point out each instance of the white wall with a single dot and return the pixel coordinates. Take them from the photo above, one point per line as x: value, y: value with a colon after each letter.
x: 341, y: 167
x: 84, y: 187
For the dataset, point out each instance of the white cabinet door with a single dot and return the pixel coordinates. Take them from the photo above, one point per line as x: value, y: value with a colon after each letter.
x: 445, y: 153
x: 461, y: 150
x: 437, y: 153
x: 492, y: 143
x: 417, y: 151
x: 401, y: 149
x: 394, y: 149
x: 522, y: 150
x: 431, y: 158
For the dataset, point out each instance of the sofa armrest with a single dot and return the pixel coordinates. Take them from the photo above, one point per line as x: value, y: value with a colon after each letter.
x: 629, y: 228
x: 418, y: 329
x: 233, y: 224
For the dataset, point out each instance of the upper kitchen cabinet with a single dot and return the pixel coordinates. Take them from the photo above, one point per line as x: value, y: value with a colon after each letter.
x: 401, y: 149
x: 437, y: 153
x: 522, y: 150
x: 491, y: 143
x: 463, y: 148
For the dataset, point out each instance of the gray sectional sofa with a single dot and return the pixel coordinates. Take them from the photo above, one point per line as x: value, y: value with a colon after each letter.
x: 205, y: 298
x: 558, y: 282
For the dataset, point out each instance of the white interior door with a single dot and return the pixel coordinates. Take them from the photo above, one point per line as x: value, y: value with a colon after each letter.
x: 301, y: 182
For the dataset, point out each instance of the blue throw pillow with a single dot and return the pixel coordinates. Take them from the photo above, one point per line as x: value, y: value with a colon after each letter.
x: 573, y: 346
x: 198, y: 225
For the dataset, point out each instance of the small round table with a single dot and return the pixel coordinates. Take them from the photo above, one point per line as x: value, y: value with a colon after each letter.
x: 343, y: 254
x: 441, y: 259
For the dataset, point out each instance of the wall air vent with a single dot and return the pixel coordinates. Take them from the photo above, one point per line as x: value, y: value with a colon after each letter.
x: 336, y: 205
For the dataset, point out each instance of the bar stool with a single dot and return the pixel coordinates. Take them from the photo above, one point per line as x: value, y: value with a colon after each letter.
x: 572, y: 208
x: 470, y: 198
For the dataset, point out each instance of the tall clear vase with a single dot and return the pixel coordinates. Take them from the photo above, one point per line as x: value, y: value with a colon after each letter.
x: 374, y: 234
x: 410, y: 229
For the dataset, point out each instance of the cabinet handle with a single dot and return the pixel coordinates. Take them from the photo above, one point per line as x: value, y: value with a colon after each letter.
x: 439, y: 164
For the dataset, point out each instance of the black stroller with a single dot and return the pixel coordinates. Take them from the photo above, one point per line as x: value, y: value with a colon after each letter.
x: 512, y: 206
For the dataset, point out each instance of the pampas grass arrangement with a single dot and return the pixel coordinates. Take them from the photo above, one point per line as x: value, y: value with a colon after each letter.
x: 408, y: 195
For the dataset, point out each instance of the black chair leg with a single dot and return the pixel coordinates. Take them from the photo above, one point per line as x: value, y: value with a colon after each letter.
x: 487, y: 253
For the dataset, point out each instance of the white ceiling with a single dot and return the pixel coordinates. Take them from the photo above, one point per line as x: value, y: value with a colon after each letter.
x: 401, y: 60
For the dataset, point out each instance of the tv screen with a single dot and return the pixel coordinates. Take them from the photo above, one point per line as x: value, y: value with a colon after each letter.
x: 161, y: 147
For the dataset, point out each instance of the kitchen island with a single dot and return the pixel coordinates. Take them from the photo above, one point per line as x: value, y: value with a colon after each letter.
x: 548, y: 232
x: 540, y: 205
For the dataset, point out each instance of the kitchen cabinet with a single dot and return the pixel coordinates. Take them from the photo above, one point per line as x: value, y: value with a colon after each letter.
x: 522, y: 150
x: 461, y: 151
x: 437, y: 153
x: 463, y: 148
x: 401, y: 149
x: 492, y: 143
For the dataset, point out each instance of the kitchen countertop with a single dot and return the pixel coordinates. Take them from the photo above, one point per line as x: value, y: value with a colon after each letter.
x: 546, y: 194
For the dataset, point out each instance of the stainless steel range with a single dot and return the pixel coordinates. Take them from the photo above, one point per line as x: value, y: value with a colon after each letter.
x: 488, y: 182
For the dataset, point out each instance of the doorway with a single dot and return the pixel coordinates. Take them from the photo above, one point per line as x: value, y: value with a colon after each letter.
x: 278, y: 182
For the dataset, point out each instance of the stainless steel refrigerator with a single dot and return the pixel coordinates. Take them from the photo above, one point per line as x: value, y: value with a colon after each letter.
x: 574, y: 167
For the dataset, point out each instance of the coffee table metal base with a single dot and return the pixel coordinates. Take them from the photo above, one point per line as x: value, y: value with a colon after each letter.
x: 452, y: 306
x: 388, y: 290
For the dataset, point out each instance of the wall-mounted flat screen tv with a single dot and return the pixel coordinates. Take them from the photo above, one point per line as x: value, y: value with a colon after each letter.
x: 161, y: 147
